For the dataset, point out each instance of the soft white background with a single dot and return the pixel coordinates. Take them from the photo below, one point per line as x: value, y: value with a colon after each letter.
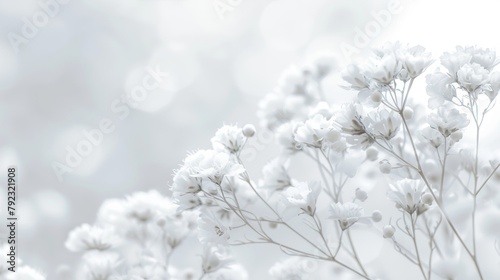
x: 65, y: 79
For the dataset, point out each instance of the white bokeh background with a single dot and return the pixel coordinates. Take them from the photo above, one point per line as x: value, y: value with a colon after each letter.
x: 65, y: 79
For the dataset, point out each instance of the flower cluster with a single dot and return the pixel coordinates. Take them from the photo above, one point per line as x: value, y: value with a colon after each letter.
x: 470, y: 74
x: 330, y: 165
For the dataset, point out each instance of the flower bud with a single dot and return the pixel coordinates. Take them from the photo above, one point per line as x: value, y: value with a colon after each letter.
x: 249, y: 130
x: 427, y: 198
x: 376, y: 216
x: 385, y: 166
x: 408, y: 113
x: 388, y: 231
x: 371, y: 154
x: 361, y: 195
x: 457, y: 135
x: 376, y: 96
x: 273, y: 225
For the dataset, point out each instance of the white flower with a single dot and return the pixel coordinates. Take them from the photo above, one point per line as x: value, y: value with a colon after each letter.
x: 472, y: 77
x: 346, y: 213
x: 317, y: 131
x: 407, y: 195
x: 87, y: 237
x: 447, y: 121
x: 285, y: 135
x: 213, y: 165
x: 485, y: 57
x: 433, y: 136
x: 275, y: 175
x: 228, y: 138
x: 383, y: 123
x: 212, y: 231
x: 383, y: 69
x: 214, y: 258
x: 304, y: 196
x: 186, y: 201
x: 276, y: 109
x: 454, y: 61
x: 439, y: 88
x: 99, y: 265
x: 414, y: 60
x: 320, y: 65
x: 178, y: 227
x: 293, y: 268
x: 184, y: 182
x: 148, y: 268
x: 323, y: 109
x: 350, y: 121
x: 352, y: 75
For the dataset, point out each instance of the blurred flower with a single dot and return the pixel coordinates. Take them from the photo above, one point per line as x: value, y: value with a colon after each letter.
x: 439, y: 88
x: 214, y: 258
x: 275, y: 175
x: 100, y: 265
x: 285, y: 134
x: 148, y: 268
x: 87, y: 237
x: 304, y: 196
x: 346, y: 213
x: 293, y: 268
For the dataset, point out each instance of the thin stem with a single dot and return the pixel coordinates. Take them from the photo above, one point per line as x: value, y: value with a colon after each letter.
x: 414, y: 238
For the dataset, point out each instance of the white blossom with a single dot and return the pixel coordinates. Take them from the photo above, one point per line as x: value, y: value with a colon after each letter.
x: 87, y: 237
x: 228, y: 138
x: 407, y: 195
x: 212, y: 231
x: 447, y: 121
x: 346, y: 213
x: 304, y: 196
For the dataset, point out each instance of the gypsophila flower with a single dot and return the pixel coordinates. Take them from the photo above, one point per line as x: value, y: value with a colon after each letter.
x: 407, y: 195
x: 148, y: 268
x: 214, y: 258
x: 382, y: 123
x: 184, y: 182
x: 447, y: 121
x: 319, y: 131
x: 213, y: 165
x: 212, y: 231
x: 228, y: 138
x: 87, y: 237
x: 432, y: 136
x: 293, y: 268
x: 304, y: 196
x: 285, y: 134
x: 101, y: 266
x: 414, y: 60
x: 275, y: 175
x: 439, y: 88
x: 346, y: 213
x: 350, y: 121
x: 473, y: 77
